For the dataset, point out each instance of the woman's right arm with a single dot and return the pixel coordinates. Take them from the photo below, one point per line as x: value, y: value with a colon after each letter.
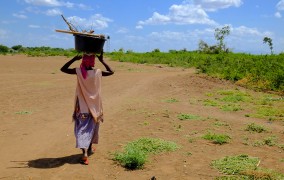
x: 65, y: 68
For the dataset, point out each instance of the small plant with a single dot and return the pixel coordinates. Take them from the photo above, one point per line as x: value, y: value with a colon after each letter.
x: 231, y: 107
x: 171, y: 100
x: 136, y: 152
x: 188, y: 117
x: 235, y: 165
x: 208, y: 102
x: 270, y: 113
x: 270, y: 141
x: 218, y: 123
x: 244, y: 167
x: 255, y: 128
x: 217, y: 138
x: 237, y: 97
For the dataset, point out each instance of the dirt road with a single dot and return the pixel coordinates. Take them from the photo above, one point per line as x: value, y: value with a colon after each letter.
x: 36, y: 132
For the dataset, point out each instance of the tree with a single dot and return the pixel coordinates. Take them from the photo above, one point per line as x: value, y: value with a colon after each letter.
x: 269, y: 41
x: 220, y: 35
x: 17, y: 47
x: 203, y: 46
x: 4, y: 49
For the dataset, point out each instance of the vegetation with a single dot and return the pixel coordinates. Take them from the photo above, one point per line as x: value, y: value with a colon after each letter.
x: 269, y: 42
x: 188, y: 117
x: 217, y: 138
x: 37, y: 51
x: 136, y: 152
x: 244, y: 167
x: 3, y: 49
x: 261, y: 72
x: 255, y: 128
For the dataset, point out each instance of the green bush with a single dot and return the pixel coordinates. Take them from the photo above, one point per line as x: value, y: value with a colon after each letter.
x: 3, y: 49
x: 217, y: 138
x: 136, y: 152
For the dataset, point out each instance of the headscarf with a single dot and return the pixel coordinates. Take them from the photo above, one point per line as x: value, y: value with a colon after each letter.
x: 87, y: 62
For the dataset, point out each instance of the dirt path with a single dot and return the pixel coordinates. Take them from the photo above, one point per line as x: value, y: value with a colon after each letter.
x: 36, y: 132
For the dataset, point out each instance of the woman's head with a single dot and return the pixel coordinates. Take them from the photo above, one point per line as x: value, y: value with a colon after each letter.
x: 88, y: 61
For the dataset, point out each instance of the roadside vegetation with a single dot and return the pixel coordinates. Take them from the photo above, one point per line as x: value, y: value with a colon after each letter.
x: 260, y: 72
x: 135, y: 154
x: 243, y: 167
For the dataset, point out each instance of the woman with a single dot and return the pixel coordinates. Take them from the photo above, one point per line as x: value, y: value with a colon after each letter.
x: 88, y: 111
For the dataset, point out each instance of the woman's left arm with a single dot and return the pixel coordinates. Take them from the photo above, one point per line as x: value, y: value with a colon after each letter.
x: 108, y: 68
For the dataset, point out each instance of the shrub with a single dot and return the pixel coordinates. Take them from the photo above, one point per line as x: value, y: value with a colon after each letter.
x: 135, y: 153
x: 217, y: 138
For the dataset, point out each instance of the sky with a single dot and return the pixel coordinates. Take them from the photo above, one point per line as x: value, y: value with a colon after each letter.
x: 145, y: 25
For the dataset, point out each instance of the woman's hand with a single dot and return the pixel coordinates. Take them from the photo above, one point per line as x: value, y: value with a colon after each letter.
x: 77, y: 57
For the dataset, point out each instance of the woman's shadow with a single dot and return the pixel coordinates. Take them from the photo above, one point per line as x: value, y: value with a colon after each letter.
x: 45, y: 163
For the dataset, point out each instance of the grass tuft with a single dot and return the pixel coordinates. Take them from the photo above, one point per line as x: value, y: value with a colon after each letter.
x: 136, y: 152
x: 255, y: 128
x: 188, y: 117
x: 217, y: 138
x: 234, y: 165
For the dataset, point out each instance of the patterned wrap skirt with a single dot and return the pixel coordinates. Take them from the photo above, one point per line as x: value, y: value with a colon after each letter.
x: 85, y: 129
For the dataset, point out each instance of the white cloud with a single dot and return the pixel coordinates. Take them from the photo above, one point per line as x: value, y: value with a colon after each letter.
x: 84, y: 7
x: 53, y: 12
x: 122, y: 30
x: 278, y: 15
x: 249, y: 32
x: 139, y: 27
x: 180, y: 14
x: 96, y: 21
x: 21, y: 16
x: 214, y: 5
x: 33, y: 26
x: 33, y: 10
x: 52, y: 3
x: 280, y: 5
x: 190, y: 12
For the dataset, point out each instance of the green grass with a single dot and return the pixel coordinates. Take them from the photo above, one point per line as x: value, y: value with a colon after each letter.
x: 263, y: 105
x: 270, y: 113
x: 219, y: 123
x: 188, y: 117
x: 254, y: 71
x: 270, y: 141
x: 231, y: 107
x: 171, y: 100
x: 252, y: 127
x: 209, y: 102
x: 135, y: 153
x: 234, y: 96
x: 217, y: 138
x: 235, y: 165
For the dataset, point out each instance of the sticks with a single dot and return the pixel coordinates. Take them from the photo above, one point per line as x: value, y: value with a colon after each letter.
x: 81, y: 33
x: 71, y: 27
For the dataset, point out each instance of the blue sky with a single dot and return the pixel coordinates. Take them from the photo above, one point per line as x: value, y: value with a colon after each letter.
x: 144, y: 25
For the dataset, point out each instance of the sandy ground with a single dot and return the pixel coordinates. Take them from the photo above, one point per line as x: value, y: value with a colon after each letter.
x: 36, y: 132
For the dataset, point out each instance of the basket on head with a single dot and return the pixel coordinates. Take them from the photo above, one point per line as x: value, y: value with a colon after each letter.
x: 89, y: 43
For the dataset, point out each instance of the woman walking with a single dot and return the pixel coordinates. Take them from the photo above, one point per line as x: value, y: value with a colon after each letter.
x: 88, y: 110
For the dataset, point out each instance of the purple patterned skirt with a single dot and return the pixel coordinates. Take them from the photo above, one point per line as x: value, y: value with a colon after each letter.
x: 85, y: 129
